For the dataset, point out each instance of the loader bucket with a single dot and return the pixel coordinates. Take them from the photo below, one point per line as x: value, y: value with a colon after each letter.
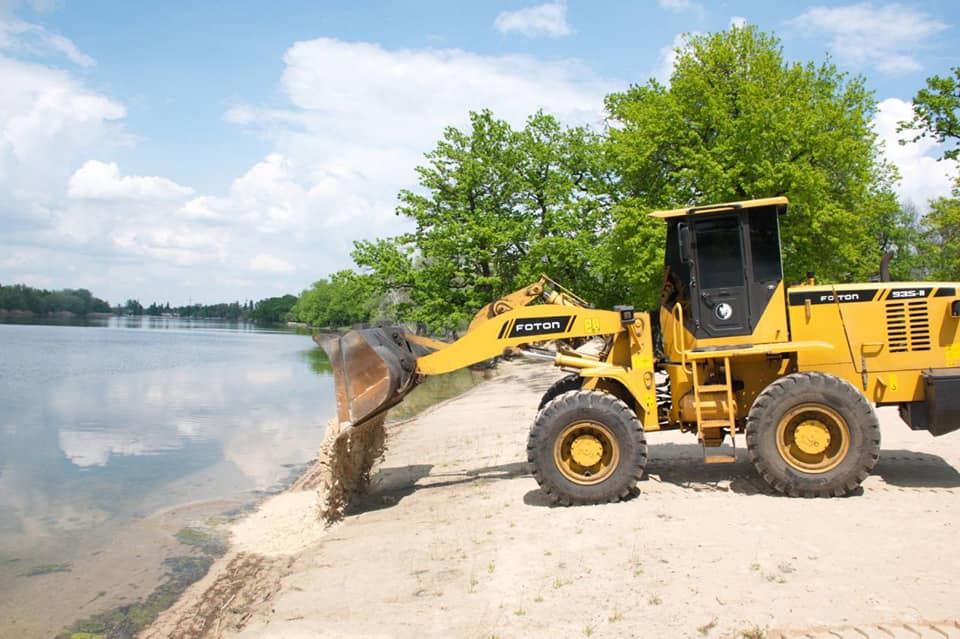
x: 373, y: 369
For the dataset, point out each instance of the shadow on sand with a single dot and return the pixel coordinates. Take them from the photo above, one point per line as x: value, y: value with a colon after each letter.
x: 677, y: 465
x: 392, y: 484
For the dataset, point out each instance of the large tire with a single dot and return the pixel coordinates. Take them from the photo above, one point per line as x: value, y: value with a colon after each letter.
x: 587, y: 447
x: 563, y: 385
x: 813, y: 435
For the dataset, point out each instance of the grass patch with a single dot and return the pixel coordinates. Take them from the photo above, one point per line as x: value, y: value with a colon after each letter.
x: 707, y: 627
x: 435, y: 389
x: 756, y: 632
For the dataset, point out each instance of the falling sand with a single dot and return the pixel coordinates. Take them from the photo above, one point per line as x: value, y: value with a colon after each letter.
x: 342, y: 470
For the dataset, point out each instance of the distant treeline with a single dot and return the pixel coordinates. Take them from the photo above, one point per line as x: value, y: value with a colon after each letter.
x: 80, y: 301
x: 19, y: 298
x: 267, y: 311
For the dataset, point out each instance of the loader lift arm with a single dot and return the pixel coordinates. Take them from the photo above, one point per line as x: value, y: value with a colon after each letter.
x: 375, y: 368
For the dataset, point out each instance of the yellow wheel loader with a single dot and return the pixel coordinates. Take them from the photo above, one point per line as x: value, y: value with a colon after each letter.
x: 734, y: 350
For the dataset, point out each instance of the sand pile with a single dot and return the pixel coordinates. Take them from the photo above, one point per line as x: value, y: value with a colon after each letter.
x: 343, y: 466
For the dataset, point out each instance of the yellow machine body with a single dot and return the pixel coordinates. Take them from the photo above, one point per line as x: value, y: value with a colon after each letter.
x: 713, y: 361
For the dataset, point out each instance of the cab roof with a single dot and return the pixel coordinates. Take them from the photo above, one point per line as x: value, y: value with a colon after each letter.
x: 717, y: 208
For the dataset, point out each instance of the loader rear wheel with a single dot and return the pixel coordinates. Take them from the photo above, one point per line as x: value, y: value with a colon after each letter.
x: 563, y: 385
x: 587, y: 447
x: 813, y: 435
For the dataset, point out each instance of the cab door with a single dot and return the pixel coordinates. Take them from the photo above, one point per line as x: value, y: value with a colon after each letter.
x: 719, y: 291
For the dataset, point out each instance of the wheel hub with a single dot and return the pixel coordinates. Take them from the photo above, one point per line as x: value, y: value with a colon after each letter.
x: 812, y: 437
x: 586, y: 450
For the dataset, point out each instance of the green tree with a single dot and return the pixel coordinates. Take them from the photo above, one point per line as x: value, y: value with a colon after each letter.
x: 739, y: 122
x: 936, y: 114
x: 495, y: 208
x: 345, y: 299
x: 272, y: 309
x: 941, y: 238
x: 133, y: 307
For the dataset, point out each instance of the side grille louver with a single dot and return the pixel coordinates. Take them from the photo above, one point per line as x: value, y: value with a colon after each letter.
x: 908, y: 326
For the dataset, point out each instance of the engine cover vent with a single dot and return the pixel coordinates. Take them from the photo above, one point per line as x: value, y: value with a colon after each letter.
x: 908, y: 326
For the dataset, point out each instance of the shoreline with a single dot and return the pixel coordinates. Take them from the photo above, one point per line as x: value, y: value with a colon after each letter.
x: 252, y: 566
x: 207, y: 539
x: 455, y: 538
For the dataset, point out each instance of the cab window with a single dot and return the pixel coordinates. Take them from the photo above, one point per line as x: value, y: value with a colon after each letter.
x: 719, y: 254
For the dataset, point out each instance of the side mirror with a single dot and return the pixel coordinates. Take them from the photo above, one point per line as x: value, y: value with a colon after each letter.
x: 683, y: 235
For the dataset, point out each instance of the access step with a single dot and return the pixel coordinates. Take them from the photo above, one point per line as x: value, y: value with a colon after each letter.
x: 712, y: 388
x: 707, y: 424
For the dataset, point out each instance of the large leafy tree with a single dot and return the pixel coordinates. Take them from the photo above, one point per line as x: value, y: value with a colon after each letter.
x: 737, y: 122
x: 495, y: 207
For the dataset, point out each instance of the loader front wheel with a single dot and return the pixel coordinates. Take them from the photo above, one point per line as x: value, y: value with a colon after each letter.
x: 587, y: 447
x: 813, y: 435
x: 563, y: 385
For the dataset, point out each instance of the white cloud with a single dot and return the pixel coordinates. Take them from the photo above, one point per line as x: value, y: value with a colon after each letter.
x: 18, y: 36
x: 885, y: 37
x: 271, y: 264
x: 49, y: 122
x: 102, y: 181
x: 546, y: 19
x: 922, y: 176
x: 355, y: 121
x: 359, y: 121
x: 738, y: 22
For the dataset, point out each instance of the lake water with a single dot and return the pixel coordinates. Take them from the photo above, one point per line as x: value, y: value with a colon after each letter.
x: 104, y: 426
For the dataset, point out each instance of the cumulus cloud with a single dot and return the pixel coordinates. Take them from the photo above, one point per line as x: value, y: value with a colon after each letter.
x: 48, y: 122
x: 359, y: 118
x: 102, y: 180
x: 862, y: 34
x: 738, y: 22
x: 922, y: 176
x: 353, y: 121
x: 546, y: 19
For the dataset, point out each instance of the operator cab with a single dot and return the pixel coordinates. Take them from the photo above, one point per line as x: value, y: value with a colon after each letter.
x: 722, y: 265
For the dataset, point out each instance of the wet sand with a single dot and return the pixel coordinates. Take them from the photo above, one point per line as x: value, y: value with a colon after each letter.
x: 455, y: 539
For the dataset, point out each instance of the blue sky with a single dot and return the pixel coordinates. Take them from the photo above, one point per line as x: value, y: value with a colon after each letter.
x: 211, y: 152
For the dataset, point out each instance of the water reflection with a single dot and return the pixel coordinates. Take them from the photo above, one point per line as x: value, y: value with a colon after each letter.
x: 110, y: 422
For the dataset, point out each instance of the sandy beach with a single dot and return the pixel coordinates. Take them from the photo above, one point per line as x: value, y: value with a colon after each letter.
x: 455, y: 539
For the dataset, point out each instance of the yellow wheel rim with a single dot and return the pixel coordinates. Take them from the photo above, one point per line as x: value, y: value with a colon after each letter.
x: 813, y: 438
x: 586, y: 452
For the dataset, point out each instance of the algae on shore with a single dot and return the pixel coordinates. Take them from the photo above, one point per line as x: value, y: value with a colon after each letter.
x: 128, y: 620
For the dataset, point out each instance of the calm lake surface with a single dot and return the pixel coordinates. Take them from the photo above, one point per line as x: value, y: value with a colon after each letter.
x: 103, y: 426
